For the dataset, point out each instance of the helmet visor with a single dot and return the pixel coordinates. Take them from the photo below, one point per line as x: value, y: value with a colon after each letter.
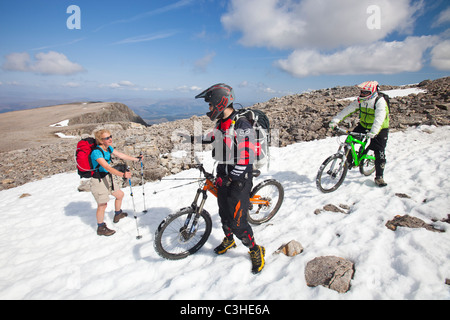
x: 365, y: 93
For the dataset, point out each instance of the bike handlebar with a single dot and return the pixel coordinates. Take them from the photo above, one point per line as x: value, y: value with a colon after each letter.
x: 200, y: 167
x: 202, y: 170
x: 356, y: 134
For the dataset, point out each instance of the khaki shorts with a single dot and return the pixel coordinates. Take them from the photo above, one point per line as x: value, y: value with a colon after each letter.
x: 102, y: 188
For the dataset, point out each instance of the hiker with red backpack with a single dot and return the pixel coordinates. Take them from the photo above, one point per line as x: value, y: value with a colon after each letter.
x: 105, y: 180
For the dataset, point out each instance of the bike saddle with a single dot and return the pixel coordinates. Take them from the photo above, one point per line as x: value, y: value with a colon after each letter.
x: 256, y: 173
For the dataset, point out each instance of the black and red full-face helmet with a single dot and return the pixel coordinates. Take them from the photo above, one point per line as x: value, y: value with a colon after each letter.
x: 219, y: 96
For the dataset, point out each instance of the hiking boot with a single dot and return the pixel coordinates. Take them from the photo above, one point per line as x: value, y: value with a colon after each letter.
x: 102, y: 230
x: 257, y: 256
x: 225, y: 246
x: 380, y: 182
x: 119, y: 216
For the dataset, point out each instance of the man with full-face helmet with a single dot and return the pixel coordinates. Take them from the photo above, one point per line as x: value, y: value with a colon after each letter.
x: 234, y: 149
x: 374, y: 120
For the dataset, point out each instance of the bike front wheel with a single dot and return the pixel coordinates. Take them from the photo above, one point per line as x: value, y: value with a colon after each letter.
x: 178, y: 237
x: 331, y: 173
x: 265, y: 201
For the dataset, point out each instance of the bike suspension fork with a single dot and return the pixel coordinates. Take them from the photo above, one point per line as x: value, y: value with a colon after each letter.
x: 198, y: 211
x: 332, y: 171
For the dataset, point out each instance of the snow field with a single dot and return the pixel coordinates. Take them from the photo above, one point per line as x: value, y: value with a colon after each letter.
x: 49, y: 248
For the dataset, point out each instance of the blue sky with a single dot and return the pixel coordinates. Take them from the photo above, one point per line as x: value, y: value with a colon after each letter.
x: 173, y: 49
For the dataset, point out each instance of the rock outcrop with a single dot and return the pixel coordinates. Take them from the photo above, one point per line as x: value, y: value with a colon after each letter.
x: 35, y: 152
x: 331, y: 272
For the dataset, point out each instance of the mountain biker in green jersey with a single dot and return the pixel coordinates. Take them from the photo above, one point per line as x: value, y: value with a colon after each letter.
x: 374, y: 120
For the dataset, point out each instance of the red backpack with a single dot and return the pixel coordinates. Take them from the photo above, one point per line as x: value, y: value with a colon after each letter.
x: 83, y: 156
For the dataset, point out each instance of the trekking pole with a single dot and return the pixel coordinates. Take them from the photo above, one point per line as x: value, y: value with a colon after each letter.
x: 143, y: 182
x: 134, y: 208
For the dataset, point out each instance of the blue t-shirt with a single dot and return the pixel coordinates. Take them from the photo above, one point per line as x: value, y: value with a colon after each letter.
x: 98, y: 154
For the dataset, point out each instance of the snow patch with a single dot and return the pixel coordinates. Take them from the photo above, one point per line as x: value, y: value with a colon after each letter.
x: 63, y: 136
x: 394, y: 93
x: 63, y: 123
x: 50, y: 249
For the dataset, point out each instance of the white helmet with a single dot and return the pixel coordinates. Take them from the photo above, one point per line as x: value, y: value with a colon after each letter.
x: 369, y: 90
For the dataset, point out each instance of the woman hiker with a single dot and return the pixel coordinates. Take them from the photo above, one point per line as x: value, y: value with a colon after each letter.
x: 105, y: 180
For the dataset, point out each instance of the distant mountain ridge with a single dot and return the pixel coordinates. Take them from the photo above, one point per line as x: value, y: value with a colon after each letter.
x: 32, y: 127
x: 170, y: 110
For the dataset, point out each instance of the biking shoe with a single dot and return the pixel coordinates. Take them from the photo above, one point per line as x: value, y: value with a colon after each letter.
x: 257, y: 256
x: 380, y: 182
x: 225, y: 246
x: 119, y: 216
x: 102, y: 230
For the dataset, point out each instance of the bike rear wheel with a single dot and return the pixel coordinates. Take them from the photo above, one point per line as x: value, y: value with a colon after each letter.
x: 332, y: 173
x: 265, y: 201
x: 176, y: 238
x: 367, y: 166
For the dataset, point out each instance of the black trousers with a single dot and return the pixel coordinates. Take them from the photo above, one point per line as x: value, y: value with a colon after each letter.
x: 234, y: 201
x: 378, y: 145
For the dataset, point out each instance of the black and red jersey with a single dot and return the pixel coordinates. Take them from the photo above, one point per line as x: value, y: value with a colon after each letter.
x: 233, y: 145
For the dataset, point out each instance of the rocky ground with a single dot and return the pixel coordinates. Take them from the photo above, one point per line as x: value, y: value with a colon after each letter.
x: 32, y: 151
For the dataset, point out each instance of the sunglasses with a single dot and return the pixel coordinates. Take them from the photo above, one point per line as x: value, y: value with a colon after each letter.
x: 107, y: 138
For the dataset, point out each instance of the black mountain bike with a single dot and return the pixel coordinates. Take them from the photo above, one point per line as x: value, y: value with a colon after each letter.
x: 186, y: 231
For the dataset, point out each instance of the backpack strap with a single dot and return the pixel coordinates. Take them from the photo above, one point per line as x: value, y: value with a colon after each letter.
x: 97, y: 172
x: 236, y: 117
x: 385, y: 97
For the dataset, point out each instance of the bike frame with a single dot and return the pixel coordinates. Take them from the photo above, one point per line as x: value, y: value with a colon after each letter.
x: 211, y: 187
x: 208, y: 186
x: 351, y: 142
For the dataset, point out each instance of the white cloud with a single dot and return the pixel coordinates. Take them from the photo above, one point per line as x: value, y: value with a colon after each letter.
x: 148, y: 37
x: 243, y: 84
x: 440, y: 56
x: 120, y: 85
x: 153, y: 89
x: 188, y: 88
x: 335, y: 37
x: 321, y: 24
x: 174, y: 6
x: 18, y: 61
x: 379, y: 57
x: 201, y: 64
x: 443, y: 18
x: 55, y: 63
x: 50, y: 63
x: 260, y: 87
x: 269, y: 90
x: 130, y: 86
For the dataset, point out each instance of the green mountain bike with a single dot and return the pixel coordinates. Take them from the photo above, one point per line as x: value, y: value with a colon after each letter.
x: 354, y: 152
